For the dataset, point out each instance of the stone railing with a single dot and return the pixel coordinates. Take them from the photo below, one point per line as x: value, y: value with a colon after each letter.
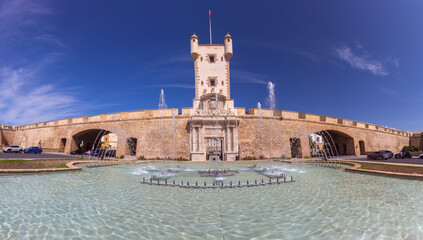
x: 122, y: 116
x: 168, y: 113
x: 290, y: 115
x: 3, y: 126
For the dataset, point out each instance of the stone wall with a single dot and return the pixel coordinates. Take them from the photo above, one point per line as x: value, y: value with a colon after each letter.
x: 270, y: 137
x: 7, y: 135
x: 417, y: 140
x: 156, y: 136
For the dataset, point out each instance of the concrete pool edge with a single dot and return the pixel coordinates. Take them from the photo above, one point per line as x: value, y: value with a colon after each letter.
x: 356, y: 168
x: 70, y: 167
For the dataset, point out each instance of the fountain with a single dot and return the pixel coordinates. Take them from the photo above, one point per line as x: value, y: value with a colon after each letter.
x: 272, y: 104
x: 162, y: 107
x: 173, y: 133
x: 259, y: 126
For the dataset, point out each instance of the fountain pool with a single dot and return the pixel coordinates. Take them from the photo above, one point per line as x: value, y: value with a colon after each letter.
x: 111, y: 203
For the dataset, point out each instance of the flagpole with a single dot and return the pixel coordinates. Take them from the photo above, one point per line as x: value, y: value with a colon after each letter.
x: 210, y: 27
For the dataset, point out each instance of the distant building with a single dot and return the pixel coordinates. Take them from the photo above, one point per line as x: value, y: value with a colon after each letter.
x: 317, y: 141
x: 109, y: 141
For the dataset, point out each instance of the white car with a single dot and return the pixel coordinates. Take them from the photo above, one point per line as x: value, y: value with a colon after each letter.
x: 421, y: 156
x: 13, y: 148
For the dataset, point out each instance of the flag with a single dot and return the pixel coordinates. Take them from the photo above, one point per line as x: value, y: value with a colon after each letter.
x: 210, y: 13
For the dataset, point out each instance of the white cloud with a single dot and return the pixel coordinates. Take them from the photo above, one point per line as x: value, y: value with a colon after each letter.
x: 171, y: 85
x: 241, y: 76
x: 23, y: 100
x: 48, y: 38
x: 389, y: 91
x: 364, y: 61
x: 16, y: 14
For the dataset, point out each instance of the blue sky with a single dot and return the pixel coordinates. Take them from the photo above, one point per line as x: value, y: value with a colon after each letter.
x: 359, y: 60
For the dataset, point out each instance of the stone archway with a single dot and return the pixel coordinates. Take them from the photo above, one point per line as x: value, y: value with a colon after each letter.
x: 62, y: 145
x: 362, y: 147
x: 131, y: 146
x: 296, y: 151
x: 92, y: 139
x: 337, y: 143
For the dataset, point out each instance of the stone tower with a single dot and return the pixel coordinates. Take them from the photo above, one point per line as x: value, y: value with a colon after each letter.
x: 213, y: 122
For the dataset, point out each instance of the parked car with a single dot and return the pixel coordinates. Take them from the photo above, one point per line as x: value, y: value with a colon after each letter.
x: 103, y: 153
x: 421, y: 156
x: 391, y: 154
x: 33, y: 150
x: 13, y: 148
x: 379, y: 155
x: 77, y: 152
x: 403, y: 155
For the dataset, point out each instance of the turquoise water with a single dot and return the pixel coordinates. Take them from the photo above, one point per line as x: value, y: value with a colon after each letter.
x: 110, y: 203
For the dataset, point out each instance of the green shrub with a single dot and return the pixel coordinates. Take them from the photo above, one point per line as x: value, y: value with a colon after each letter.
x: 262, y: 157
x: 181, y: 159
x: 410, y: 148
x: 63, y: 165
x: 280, y: 118
x: 249, y: 158
x: 122, y: 157
x: 141, y: 158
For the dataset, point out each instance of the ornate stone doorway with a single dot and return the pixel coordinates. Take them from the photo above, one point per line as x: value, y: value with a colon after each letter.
x: 214, y: 149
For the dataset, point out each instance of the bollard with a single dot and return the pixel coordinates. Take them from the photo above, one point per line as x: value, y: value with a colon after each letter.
x: 255, y: 181
x: 205, y: 184
x: 277, y: 180
x: 173, y: 182
x: 248, y: 183
x: 165, y: 181
x: 292, y: 179
x: 214, y: 183
x: 239, y: 183
x: 151, y: 180
x: 222, y: 184
x: 230, y: 183
x: 196, y: 183
x: 182, y: 182
x: 187, y: 183
x: 284, y: 178
x: 262, y: 181
x: 270, y: 180
x: 143, y: 179
x: 158, y: 180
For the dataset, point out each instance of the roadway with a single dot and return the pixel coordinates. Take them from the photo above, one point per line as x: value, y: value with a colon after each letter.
x: 45, y: 155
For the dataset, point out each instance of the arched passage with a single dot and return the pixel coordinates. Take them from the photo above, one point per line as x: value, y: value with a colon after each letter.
x: 94, y: 139
x: 131, y: 146
x: 62, y: 145
x: 362, y: 148
x: 334, y: 143
x: 296, y: 151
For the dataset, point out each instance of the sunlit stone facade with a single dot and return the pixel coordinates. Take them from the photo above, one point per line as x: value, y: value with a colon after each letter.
x: 213, y: 121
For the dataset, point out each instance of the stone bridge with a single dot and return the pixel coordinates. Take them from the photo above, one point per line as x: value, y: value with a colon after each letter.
x: 165, y: 133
